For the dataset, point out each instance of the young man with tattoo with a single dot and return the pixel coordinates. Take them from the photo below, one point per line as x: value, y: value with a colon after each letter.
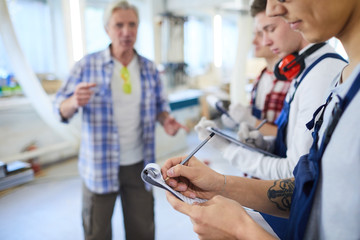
x: 323, y: 200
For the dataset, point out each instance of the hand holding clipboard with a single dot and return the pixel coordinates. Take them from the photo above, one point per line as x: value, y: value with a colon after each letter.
x: 230, y: 136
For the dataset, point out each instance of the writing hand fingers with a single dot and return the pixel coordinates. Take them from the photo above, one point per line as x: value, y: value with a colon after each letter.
x: 178, y: 205
x: 169, y: 164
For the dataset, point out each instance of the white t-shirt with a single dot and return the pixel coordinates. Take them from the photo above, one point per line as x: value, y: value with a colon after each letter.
x: 127, y: 113
x: 310, y: 94
x: 336, y: 209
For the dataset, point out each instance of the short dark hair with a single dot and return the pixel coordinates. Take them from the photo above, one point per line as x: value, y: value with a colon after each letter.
x: 257, y: 7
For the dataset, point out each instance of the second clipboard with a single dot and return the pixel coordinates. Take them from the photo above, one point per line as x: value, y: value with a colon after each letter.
x: 233, y: 139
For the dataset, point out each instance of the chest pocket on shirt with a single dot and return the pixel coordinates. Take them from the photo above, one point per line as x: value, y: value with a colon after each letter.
x: 102, y: 95
x: 99, y: 106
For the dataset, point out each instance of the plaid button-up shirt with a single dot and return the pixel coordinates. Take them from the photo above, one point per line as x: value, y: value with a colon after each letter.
x: 99, y: 149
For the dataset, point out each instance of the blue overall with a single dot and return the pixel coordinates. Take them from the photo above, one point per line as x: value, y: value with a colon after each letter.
x: 283, y: 119
x: 308, y: 168
x: 280, y: 225
x: 256, y: 112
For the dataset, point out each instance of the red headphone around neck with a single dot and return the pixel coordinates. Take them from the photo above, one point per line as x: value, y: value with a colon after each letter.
x: 292, y: 65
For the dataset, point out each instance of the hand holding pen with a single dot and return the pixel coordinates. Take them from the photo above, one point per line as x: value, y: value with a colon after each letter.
x: 195, y: 179
x: 252, y: 136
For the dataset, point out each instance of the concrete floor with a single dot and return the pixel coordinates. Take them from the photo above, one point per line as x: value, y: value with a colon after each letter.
x: 49, y: 207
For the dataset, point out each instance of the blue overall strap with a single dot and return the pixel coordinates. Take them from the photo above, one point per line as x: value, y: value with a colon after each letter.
x: 307, y: 70
x: 307, y: 170
x: 256, y: 112
x: 310, y: 125
x: 283, y: 119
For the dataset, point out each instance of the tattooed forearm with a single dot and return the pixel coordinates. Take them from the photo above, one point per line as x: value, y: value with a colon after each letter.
x: 281, y: 193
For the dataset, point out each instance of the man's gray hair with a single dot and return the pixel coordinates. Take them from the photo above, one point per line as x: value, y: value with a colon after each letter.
x: 125, y: 5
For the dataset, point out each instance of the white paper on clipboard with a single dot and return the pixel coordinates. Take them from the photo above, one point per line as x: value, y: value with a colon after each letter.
x: 233, y: 139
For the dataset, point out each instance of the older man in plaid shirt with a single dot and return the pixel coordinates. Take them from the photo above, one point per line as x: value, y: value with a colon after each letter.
x: 121, y: 97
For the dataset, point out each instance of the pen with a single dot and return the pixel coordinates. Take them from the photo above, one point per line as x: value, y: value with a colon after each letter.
x: 251, y: 140
x: 261, y: 124
x: 195, y: 150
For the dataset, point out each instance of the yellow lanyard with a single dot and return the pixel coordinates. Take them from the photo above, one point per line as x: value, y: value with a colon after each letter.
x: 125, y: 75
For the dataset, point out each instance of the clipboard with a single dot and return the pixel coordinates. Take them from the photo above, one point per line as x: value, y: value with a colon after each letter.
x: 151, y: 174
x: 230, y: 136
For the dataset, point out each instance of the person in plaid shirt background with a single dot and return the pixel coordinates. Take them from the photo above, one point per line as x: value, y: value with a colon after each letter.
x: 272, y: 95
x: 121, y: 98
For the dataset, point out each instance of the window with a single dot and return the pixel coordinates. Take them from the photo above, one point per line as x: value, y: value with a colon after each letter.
x: 32, y: 25
x: 229, y: 44
x: 198, y: 39
x: 95, y: 35
x: 199, y: 44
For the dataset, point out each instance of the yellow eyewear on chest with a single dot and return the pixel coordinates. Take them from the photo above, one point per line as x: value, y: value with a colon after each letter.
x: 125, y: 75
